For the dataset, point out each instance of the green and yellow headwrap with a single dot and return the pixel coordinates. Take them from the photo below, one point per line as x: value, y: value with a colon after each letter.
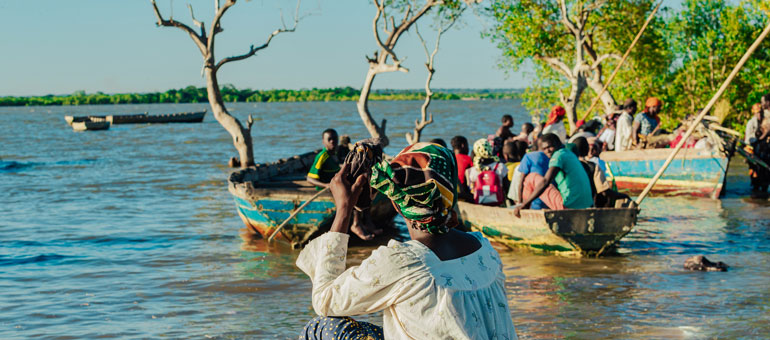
x: 482, y: 150
x: 422, y: 183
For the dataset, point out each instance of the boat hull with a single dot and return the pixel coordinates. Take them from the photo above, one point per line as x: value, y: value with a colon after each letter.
x: 89, y: 125
x: 692, y: 172
x: 265, y: 196
x: 143, y: 118
x: 570, y: 232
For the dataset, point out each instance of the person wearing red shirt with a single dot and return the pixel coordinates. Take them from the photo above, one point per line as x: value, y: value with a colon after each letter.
x: 460, y: 147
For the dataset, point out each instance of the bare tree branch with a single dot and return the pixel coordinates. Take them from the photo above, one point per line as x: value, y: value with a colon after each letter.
x: 253, y: 50
x: 216, y: 23
x: 200, y: 25
x: 199, y: 41
x: 565, y: 18
x: 557, y: 65
x: 604, y: 57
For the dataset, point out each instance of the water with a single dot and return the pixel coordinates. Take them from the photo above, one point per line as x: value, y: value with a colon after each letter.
x: 131, y: 233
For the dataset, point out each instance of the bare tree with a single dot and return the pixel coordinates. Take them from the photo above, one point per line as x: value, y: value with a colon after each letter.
x: 204, y: 40
x: 385, y: 59
x: 425, y: 117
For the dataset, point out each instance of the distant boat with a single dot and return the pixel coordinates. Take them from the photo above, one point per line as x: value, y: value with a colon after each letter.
x: 91, y: 124
x: 266, y: 195
x: 590, y: 231
x: 142, y: 118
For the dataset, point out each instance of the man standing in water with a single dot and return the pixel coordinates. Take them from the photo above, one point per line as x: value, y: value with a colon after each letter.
x: 325, y: 166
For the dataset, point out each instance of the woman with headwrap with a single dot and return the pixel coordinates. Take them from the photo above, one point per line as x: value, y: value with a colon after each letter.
x: 442, y: 284
x: 555, y: 123
x: 647, y: 122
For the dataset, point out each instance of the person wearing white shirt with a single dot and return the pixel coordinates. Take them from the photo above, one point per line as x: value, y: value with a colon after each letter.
x: 442, y: 284
x: 624, y: 129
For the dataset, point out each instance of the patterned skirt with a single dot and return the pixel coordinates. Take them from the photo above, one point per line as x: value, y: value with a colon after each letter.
x: 340, y: 328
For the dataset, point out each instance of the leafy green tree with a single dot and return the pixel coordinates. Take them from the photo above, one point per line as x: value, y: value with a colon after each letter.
x: 708, y: 37
x: 571, y: 42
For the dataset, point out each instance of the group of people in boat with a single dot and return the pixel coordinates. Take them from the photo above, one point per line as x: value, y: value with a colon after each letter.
x: 538, y: 168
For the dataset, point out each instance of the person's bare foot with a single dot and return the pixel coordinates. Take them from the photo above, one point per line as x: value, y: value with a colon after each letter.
x: 358, y: 228
x: 369, y: 225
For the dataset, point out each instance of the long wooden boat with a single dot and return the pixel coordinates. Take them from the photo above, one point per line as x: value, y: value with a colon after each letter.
x: 593, y: 231
x: 267, y: 194
x: 693, y: 172
x: 142, y: 118
x: 91, y: 124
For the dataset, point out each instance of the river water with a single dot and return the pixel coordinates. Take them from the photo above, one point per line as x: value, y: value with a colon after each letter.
x: 131, y: 233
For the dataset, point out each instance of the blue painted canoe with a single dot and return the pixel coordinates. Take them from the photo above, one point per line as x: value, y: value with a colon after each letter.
x: 693, y: 172
x: 267, y: 194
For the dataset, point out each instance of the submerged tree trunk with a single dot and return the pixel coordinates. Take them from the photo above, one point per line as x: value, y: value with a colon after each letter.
x: 205, y: 42
x: 241, y: 135
x: 363, y: 108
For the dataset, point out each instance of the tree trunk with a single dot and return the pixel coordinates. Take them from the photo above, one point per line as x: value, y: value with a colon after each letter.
x: 363, y: 109
x: 241, y: 136
x: 607, y: 99
x: 571, y: 102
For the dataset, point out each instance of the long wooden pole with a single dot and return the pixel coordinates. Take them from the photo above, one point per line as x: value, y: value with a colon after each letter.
x: 318, y: 194
x: 623, y: 60
x: 705, y: 111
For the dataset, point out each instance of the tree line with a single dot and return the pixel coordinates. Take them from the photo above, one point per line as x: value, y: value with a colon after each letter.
x: 192, y: 94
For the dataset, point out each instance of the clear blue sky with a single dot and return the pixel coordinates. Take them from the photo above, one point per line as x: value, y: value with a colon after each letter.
x: 61, y: 46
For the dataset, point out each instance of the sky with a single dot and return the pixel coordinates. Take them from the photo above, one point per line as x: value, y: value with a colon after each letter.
x: 59, y: 47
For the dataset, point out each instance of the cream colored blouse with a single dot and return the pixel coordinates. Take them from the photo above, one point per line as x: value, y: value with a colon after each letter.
x: 421, y: 296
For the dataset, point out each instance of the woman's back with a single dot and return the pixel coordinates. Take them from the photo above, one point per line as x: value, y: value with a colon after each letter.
x: 421, y: 296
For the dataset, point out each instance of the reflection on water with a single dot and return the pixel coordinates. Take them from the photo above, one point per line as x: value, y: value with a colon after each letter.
x: 130, y: 233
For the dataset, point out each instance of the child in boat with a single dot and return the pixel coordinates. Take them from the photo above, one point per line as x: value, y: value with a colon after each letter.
x: 486, y: 176
x: 504, y: 131
x: 442, y: 284
x: 460, y: 148
x: 565, y: 169
x: 326, y: 163
x: 325, y: 166
x: 525, y: 134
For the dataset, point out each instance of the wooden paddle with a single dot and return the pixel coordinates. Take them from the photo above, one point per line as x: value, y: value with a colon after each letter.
x: 703, y: 112
x: 295, y: 212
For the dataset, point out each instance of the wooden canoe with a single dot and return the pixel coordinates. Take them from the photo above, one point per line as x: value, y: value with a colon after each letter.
x: 143, y: 118
x: 692, y: 172
x: 266, y: 195
x: 90, y: 124
x: 593, y: 231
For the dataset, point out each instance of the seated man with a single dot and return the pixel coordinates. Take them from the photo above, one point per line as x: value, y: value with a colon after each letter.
x: 326, y: 163
x: 567, y: 172
x: 325, y: 166
x: 528, y: 175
